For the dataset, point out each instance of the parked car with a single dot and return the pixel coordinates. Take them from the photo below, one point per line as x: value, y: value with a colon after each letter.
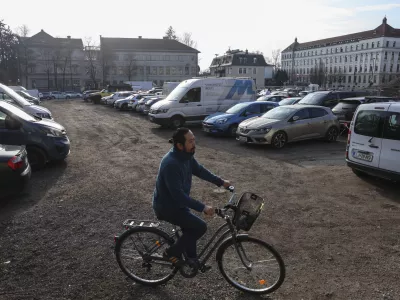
x: 72, y: 95
x: 116, y: 96
x: 57, y: 95
x: 304, y: 93
x: 328, y: 98
x: 142, y: 102
x: 194, y: 99
x: 271, y: 98
x: 28, y: 97
x: 150, y: 102
x: 346, y: 108
x: 45, y: 96
x: 86, y: 94
x: 227, y: 122
x: 290, y: 101
x: 285, y: 124
x: 45, y: 140
x: 10, y: 96
x: 373, y: 145
x: 111, y: 89
x: 15, y: 170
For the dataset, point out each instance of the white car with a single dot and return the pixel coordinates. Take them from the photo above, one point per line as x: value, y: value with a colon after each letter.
x: 373, y: 145
x: 72, y: 95
x: 116, y: 96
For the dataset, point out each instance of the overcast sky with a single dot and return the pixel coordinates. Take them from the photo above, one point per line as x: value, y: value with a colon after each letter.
x: 215, y: 25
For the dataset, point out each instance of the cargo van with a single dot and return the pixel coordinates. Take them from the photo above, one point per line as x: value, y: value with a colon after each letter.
x: 10, y: 96
x: 194, y: 99
x: 373, y: 145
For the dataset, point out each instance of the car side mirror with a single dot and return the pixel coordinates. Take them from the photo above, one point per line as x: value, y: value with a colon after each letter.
x: 295, y: 118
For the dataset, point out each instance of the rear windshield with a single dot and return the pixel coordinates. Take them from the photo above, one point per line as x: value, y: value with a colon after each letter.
x: 347, y: 105
x: 369, y: 123
x: 313, y: 99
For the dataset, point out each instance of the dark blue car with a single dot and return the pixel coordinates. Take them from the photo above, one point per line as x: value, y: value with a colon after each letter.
x: 226, y: 123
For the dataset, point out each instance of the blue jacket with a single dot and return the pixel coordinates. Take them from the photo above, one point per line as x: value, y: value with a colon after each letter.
x: 174, y: 181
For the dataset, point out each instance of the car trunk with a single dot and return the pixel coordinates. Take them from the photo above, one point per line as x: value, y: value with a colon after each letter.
x: 345, y: 109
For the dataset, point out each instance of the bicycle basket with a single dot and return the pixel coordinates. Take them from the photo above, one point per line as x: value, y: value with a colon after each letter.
x: 248, y: 209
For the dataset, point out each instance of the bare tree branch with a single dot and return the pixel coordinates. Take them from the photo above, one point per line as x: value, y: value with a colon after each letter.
x: 186, y: 39
x: 23, y: 30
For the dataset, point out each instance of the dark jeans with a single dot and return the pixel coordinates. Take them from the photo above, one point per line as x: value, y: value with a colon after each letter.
x: 193, y: 228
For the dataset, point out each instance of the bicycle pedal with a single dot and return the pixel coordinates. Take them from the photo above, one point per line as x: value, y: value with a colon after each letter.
x: 205, y: 268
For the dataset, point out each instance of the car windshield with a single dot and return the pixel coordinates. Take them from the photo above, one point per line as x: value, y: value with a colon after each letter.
x: 236, y: 108
x: 287, y: 101
x: 177, y: 94
x: 279, y: 113
x: 25, y: 95
x: 19, y: 113
x: 19, y: 100
x: 313, y: 99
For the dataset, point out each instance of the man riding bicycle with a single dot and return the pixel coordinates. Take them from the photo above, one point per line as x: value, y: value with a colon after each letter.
x: 171, y: 200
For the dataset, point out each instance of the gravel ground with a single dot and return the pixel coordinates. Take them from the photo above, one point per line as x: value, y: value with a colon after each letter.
x: 338, y: 234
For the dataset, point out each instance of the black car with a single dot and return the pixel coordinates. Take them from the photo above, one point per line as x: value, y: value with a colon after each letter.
x: 329, y: 98
x: 85, y: 94
x: 15, y: 170
x: 346, y: 108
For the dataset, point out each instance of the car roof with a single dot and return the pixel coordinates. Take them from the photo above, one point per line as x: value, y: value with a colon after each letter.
x: 265, y: 102
x: 309, y: 106
x: 396, y: 104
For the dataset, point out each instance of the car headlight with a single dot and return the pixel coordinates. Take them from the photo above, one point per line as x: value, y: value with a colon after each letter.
x: 53, y: 132
x: 160, y: 111
x: 262, y: 130
x: 222, y: 121
x: 44, y: 115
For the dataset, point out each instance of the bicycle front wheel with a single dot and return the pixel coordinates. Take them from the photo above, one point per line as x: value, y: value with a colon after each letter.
x: 264, y: 271
x: 139, y: 255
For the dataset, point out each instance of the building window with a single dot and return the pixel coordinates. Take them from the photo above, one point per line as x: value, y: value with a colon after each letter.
x: 378, y: 44
x: 356, y: 47
x: 374, y: 78
x: 367, y: 45
x: 240, y: 70
x: 398, y: 68
x: 344, y: 69
x: 383, y: 79
x: 161, y: 70
x: 244, y: 70
x: 391, y: 68
x: 384, y: 68
x: 385, y: 55
x: 167, y: 71
x: 240, y: 60
x: 365, y: 79
x: 187, y: 70
x: 245, y: 60
x: 194, y: 70
x: 362, y: 46
x: 254, y: 70
x: 350, y: 69
x: 394, y: 44
x: 387, y: 44
x: 373, y: 45
x: 355, y: 69
x: 255, y: 60
x: 376, y: 68
x: 356, y: 57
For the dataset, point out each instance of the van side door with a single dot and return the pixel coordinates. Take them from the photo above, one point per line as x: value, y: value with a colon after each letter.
x: 390, y: 153
x: 193, y: 107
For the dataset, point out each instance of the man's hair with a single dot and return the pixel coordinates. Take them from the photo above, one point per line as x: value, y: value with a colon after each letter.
x: 179, y: 136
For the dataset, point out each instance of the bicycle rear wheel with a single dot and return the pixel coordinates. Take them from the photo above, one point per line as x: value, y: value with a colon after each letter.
x: 267, y: 270
x: 139, y: 255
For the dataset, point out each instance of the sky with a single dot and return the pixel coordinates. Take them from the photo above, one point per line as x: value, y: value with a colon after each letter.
x: 216, y: 26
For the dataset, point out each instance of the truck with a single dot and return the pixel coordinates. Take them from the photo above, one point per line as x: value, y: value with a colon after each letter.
x: 140, y: 85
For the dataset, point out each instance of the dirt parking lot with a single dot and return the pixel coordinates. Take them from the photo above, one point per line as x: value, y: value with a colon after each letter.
x: 338, y: 234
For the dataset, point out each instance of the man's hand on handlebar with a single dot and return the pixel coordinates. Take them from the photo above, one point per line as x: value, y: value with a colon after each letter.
x: 209, y: 211
x: 226, y: 184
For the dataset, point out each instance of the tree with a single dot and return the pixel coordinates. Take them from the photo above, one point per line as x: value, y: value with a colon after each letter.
x: 276, y: 58
x: 187, y: 40
x: 66, y: 58
x: 46, y: 56
x: 170, y: 33
x: 130, y: 68
x: 317, y: 74
x: 9, y: 70
x: 92, y: 53
x: 23, y: 30
x: 25, y: 54
x: 281, y: 77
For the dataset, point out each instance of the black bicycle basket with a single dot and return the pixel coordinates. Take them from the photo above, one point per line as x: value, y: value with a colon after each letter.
x: 248, y: 209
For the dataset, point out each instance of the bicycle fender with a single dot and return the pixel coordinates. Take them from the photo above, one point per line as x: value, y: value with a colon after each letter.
x: 226, y: 241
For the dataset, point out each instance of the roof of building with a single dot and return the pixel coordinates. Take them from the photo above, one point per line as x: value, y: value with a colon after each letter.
x: 145, y: 44
x: 45, y: 39
x: 382, y: 30
x: 239, y: 58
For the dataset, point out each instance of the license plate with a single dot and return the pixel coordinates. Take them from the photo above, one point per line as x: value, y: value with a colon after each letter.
x: 363, y: 156
x: 207, y: 129
x: 242, y: 139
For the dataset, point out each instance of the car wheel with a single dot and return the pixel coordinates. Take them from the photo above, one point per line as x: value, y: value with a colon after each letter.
x: 36, y: 157
x: 359, y: 173
x: 68, y: 97
x: 124, y: 106
x: 177, y: 121
x: 332, y: 134
x: 232, y: 130
x: 279, y: 140
x: 54, y: 98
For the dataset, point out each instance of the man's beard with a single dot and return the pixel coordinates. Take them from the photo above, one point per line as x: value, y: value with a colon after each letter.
x: 190, y: 151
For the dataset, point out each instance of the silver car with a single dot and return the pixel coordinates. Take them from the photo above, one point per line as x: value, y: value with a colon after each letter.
x: 289, y: 123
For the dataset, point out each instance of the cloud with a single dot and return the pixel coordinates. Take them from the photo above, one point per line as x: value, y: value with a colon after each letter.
x: 377, y: 7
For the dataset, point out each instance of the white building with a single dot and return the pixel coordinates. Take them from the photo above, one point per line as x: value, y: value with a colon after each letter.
x: 237, y: 63
x: 350, y: 61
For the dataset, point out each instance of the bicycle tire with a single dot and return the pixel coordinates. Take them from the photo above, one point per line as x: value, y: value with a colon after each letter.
x: 118, y: 253
x: 246, y: 239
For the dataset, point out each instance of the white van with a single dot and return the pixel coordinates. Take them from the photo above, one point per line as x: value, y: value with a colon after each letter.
x: 194, y: 99
x: 373, y: 145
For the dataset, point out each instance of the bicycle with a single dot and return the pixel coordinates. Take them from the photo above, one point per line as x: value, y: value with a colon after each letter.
x: 150, y: 268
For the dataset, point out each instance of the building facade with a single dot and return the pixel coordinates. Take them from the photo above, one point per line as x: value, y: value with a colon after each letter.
x: 140, y: 59
x: 359, y: 60
x: 237, y: 63
x: 47, y: 63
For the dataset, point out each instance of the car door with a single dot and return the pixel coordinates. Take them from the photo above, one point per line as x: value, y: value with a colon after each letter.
x: 192, y: 106
x: 365, y: 143
x: 300, y: 128
x: 390, y: 153
x: 11, y: 135
x: 318, y: 121
x: 251, y: 111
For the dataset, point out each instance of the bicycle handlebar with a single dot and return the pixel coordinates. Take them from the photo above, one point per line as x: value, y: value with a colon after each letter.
x: 221, y: 211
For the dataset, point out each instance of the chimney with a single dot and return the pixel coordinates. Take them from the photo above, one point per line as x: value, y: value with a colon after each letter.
x: 140, y: 36
x: 247, y: 51
x: 68, y: 36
